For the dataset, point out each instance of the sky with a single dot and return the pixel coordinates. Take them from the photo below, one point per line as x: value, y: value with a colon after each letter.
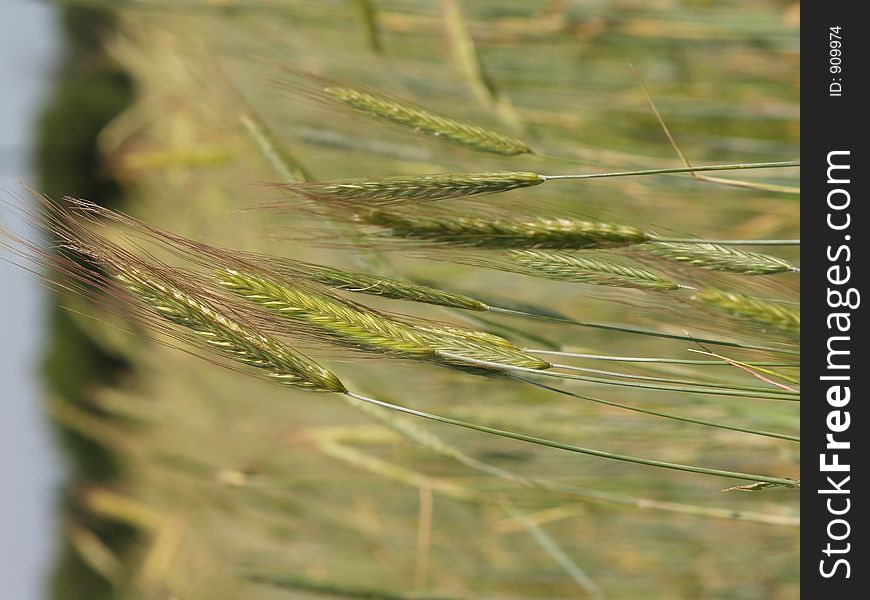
x: 30, y: 466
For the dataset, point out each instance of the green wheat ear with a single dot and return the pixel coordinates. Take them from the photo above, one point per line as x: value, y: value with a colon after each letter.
x: 349, y: 324
x: 718, y: 257
x: 356, y: 326
x: 782, y: 316
x: 414, y: 188
x: 238, y: 341
x: 515, y: 233
x: 396, y: 289
x: 477, y: 346
x: 420, y: 119
x: 568, y: 267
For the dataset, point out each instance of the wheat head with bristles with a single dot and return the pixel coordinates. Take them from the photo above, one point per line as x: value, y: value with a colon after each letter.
x: 89, y: 262
x: 782, y: 316
x: 358, y: 326
x: 568, y: 267
x: 397, y: 289
x: 419, y: 119
x: 469, y: 334
x: 503, y: 233
x: 332, y: 277
x: 478, y: 345
x: 718, y: 257
x: 232, y: 338
x: 413, y: 188
x: 348, y: 322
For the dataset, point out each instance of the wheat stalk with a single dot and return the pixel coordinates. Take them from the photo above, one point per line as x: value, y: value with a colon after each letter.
x: 435, y: 444
x: 444, y: 186
x: 414, y: 188
x: 240, y: 342
x: 567, y: 267
x: 777, y: 481
x: 517, y: 233
x: 782, y: 316
x: 420, y: 119
x: 717, y: 257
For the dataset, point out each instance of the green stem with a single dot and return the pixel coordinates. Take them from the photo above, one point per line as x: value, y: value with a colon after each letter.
x: 790, y: 483
x: 638, y: 331
x: 729, y: 242
x: 752, y: 185
x: 712, y: 391
x: 771, y: 434
x: 428, y: 440
x: 653, y: 359
x: 731, y: 167
x: 617, y: 374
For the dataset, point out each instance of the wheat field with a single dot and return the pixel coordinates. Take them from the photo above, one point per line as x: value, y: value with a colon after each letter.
x: 542, y: 371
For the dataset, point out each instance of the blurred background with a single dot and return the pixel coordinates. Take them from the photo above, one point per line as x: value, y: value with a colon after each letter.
x: 32, y: 465
x: 134, y: 470
x: 58, y: 93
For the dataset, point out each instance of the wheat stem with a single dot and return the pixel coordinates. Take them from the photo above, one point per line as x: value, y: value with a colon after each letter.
x: 443, y: 186
x: 770, y: 434
x: 786, y: 242
x: 728, y: 167
x: 639, y: 331
x: 564, y: 511
x: 779, y: 481
x: 765, y: 394
x: 617, y: 374
x: 685, y: 161
x: 653, y: 359
x: 437, y: 445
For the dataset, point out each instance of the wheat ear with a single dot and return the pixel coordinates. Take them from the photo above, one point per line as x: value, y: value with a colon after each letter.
x: 413, y: 188
x: 358, y: 326
x: 347, y: 322
x: 420, y: 119
x: 238, y: 341
x: 568, y: 267
x: 517, y: 233
x: 472, y: 346
x: 717, y: 257
x: 396, y: 289
x: 782, y: 316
